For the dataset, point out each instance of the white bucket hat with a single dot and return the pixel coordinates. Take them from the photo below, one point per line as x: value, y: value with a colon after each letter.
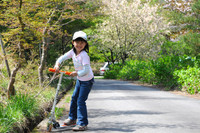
x: 79, y: 34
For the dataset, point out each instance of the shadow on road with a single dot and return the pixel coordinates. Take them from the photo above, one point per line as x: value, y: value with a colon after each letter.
x: 133, y: 124
x: 138, y: 98
x: 119, y: 85
x: 94, y: 113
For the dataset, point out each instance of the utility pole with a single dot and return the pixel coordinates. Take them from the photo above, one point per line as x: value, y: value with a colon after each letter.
x: 4, y: 53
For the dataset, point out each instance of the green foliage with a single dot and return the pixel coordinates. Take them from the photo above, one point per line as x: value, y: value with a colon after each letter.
x: 193, y: 19
x: 164, y: 68
x: 174, y: 48
x: 191, y: 41
x: 131, y: 70
x: 147, y: 74
x: 160, y: 71
x: 182, y: 15
x: 184, y: 19
x: 187, y: 61
x: 189, y: 79
x: 188, y: 44
x: 113, y: 73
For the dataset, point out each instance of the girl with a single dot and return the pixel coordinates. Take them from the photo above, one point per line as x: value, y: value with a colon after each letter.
x: 85, y: 80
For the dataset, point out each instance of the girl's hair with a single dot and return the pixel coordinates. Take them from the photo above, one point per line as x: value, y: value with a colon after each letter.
x: 86, y: 46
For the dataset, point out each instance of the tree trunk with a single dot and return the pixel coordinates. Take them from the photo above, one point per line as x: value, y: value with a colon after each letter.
x: 11, y: 88
x: 45, y: 40
x: 43, y: 59
x: 4, y: 53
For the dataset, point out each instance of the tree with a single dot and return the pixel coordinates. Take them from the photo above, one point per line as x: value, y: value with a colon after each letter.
x: 132, y: 29
x: 27, y: 25
x: 184, y: 17
x: 24, y: 20
x: 52, y: 18
x: 12, y: 14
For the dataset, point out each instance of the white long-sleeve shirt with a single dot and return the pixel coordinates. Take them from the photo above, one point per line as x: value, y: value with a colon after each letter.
x: 81, y: 64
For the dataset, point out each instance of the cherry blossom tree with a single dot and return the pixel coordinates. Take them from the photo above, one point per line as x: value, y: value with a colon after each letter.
x: 133, y: 29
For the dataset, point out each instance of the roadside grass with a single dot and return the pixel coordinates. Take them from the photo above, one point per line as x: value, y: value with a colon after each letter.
x: 17, y: 110
x: 68, y: 99
x: 24, y: 105
x: 59, y: 112
x: 99, y: 77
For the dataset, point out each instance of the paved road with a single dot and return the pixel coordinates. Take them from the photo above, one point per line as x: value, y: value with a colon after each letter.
x: 121, y: 107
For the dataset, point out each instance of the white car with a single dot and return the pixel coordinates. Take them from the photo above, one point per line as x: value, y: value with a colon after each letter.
x: 104, y: 68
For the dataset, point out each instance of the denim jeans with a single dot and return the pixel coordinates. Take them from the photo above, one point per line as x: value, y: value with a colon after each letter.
x: 78, y: 109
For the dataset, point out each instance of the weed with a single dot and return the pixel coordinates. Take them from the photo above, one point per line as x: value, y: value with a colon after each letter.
x: 68, y: 99
x: 59, y: 112
x: 18, y: 108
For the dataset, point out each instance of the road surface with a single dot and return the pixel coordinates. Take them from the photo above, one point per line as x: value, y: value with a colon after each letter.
x: 122, y: 107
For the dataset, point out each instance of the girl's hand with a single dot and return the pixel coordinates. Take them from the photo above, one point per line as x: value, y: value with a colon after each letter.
x: 57, y: 68
x: 73, y: 74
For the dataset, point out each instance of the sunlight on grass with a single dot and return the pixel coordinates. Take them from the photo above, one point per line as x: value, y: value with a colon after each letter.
x: 59, y: 112
x: 99, y: 77
x: 17, y: 110
x: 68, y: 99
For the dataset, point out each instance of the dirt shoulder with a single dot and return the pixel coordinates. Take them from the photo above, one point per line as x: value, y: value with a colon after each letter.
x: 182, y: 93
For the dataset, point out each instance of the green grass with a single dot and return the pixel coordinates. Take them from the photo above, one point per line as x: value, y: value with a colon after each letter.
x: 16, y: 111
x: 99, y: 77
x: 59, y: 112
x: 68, y: 99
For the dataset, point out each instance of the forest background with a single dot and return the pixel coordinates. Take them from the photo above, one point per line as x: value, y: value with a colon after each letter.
x: 154, y: 41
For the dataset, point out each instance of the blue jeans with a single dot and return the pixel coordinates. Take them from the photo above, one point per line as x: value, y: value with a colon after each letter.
x: 78, y: 109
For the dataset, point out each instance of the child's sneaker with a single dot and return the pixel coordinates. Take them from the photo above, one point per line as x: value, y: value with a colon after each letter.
x: 79, y: 128
x: 69, y: 122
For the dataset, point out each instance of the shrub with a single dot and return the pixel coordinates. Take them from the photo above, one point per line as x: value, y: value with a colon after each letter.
x: 131, y: 70
x: 189, y: 79
x: 164, y: 68
x: 113, y: 72
x: 168, y: 71
x: 147, y: 74
x: 186, y: 61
